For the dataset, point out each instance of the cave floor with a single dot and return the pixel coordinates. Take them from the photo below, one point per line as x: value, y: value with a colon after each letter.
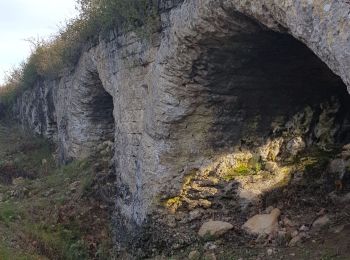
x: 302, y: 201
x: 329, y: 242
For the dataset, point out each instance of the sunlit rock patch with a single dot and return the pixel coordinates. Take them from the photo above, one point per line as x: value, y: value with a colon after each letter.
x: 305, y: 140
x: 304, y: 151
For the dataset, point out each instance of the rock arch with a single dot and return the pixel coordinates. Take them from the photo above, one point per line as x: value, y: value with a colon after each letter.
x: 187, y: 95
x: 87, y: 120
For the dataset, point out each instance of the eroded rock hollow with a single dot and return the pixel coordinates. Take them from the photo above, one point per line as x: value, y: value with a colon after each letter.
x: 221, y: 79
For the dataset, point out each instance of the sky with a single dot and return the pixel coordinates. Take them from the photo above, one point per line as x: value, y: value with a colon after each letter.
x: 26, y: 19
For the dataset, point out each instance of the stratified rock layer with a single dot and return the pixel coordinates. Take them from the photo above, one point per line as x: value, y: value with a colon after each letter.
x: 220, y: 75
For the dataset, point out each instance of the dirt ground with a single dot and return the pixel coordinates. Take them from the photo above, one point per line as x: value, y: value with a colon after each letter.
x: 52, y: 212
x: 48, y: 211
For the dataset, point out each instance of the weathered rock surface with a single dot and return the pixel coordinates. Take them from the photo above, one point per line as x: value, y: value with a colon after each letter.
x: 217, y: 76
x: 194, y: 255
x: 321, y: 222
x: 297, y: 239
x: 214, y: 228
x: 263, y: 224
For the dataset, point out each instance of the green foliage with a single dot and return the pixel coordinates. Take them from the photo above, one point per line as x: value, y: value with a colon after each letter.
x: 34, y: 212
x: 9, y: 212
x: 58, y: 241
x: 243, y: 169
x: 7, y: 253
x: 174, y: 202
x: 103, y: 15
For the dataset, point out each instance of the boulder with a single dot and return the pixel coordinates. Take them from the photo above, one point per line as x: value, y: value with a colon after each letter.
x: 337, y: 166
x: 209, y: 256
x: 262, y: 224
x: 214, y: 228
x: 345, y: 199
x: 346, y: 147
x: 194, y: 214
x: 194, y: 255
x: 288, y: 223
x: 321, y: 222
x: 337, y: 229
x: 297, y: 239
x: 271, y: 167
x: 295, y: 145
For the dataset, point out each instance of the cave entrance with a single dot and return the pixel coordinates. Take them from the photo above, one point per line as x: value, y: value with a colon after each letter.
x: 263, y: 104
x: 95, y: 117
x: 257, y: 82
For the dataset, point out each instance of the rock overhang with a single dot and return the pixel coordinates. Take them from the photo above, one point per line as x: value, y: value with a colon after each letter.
x: 167, y: 101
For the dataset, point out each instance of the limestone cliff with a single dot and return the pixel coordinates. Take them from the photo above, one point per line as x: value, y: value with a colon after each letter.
x: 216, y: 74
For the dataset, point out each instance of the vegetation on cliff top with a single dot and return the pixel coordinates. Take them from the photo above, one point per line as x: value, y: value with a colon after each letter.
x: 96, y: 18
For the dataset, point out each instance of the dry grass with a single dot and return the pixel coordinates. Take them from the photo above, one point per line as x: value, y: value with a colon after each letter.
x: 47, y: 214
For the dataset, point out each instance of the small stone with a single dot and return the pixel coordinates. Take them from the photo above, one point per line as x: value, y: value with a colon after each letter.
x: 194, y: 255
x: 287, y: 222
x: 49, y: 192
x: 321, y: 222
x: 304, y: 228
x: 339, y: 199
x: 210, y: 246
x: 176, y: 246
x: 321, y: 212
x: 195, y: 214
x: 297, y: 177
x: 263, y: 223
x: 337, y: 166
x: 18, y: 181
x: 209, y: 256
x: 214, y: 228
x: 269, y: 209
x: 108, y: 144
x: 73, y: 186
x: 296, y: 240
x: 269, y: 252
x: 345, y: 199
x: 44, y: 162
x: 346, y: 147
x: 327, y: 7
x: 345, y: 154
x: 171, y: 221
x: 295, y: 145
x: 204, y: 203
x: 271, y: 167
x: 294, y: 233
x: 337, y: 229
x: 181, y: 216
